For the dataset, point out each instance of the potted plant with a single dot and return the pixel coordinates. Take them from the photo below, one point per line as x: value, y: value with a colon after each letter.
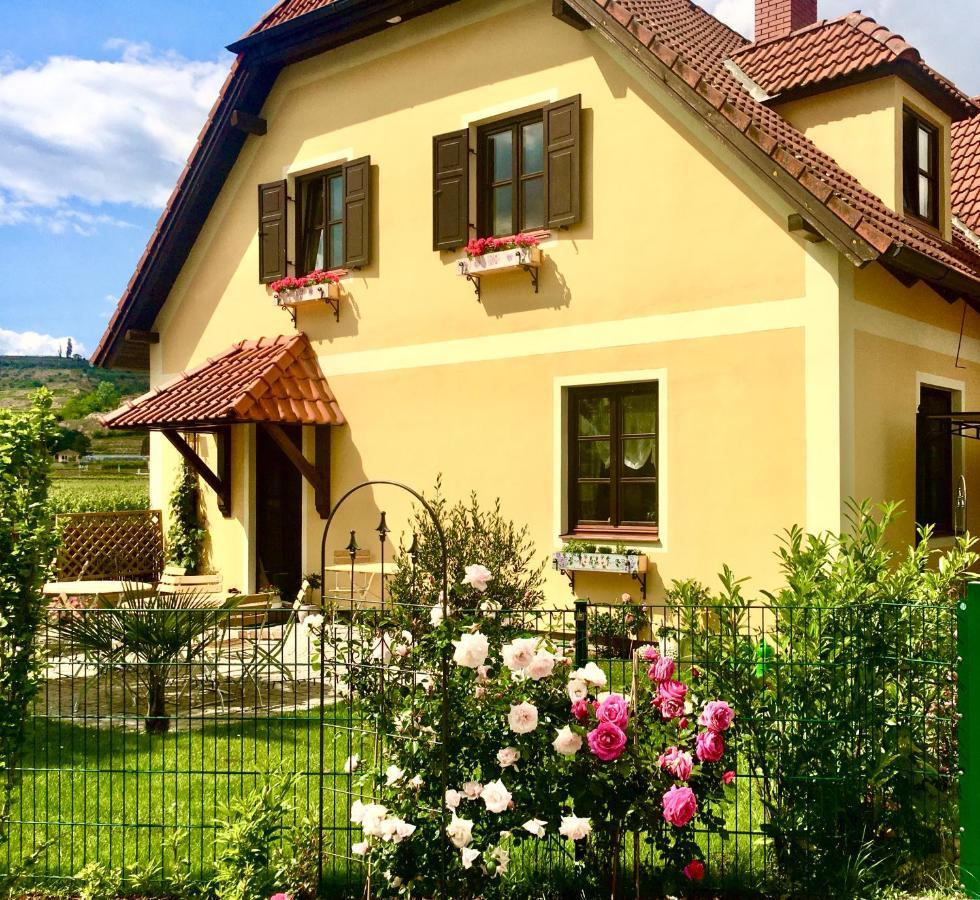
x: 484, y: 255
x: 318, y: 285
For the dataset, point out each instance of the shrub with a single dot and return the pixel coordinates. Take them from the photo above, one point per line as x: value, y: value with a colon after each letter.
x: 185, y: 537
x: 26, y: 547
x: 848, y: 700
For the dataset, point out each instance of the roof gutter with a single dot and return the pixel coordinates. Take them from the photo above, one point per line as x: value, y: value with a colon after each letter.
x: 947, y: 281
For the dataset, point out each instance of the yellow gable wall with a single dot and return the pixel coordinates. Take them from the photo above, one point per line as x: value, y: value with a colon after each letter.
x: 674, y: 253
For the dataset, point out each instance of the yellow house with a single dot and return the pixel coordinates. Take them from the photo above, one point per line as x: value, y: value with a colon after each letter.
x: 747, y: 289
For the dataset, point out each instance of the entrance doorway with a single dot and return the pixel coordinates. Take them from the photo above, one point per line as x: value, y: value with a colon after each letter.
x: 278, y: 515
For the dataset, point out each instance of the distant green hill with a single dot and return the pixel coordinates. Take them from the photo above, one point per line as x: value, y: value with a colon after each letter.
x: 20, y: 376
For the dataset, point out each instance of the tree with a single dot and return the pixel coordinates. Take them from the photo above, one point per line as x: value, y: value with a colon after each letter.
x: 68, y: 349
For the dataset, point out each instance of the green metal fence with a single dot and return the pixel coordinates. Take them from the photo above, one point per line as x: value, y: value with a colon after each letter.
x: 847, y: 735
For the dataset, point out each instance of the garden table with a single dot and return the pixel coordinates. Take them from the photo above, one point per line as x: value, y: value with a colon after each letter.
x: 362, y: 577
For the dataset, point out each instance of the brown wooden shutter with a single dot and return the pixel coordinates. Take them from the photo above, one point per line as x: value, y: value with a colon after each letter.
x: 562, y: 121
x: 357, y: 213
x: 451, y: 190
x: 272, y: 231
x: 321, y: 462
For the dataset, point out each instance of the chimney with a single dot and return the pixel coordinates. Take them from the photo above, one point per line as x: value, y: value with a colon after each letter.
x: 779, y: 18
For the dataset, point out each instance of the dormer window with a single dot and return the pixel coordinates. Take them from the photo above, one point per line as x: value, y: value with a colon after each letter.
x: 920, y: 169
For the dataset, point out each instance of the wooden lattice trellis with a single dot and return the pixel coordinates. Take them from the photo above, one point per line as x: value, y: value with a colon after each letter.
x: 110, y: 545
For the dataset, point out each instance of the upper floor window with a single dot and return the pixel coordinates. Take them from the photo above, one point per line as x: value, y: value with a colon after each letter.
x: 612, y: 449
x: 510, y: 163
x: 920, y: 168
x: 320, y: 218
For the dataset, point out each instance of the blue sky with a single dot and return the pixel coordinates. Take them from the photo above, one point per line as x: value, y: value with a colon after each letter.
x: 100, y: 103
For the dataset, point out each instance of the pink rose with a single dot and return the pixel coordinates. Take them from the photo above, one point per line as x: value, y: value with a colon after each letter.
x: 682, y: 723
x: 650, y: 654
x: 728, y: 777
x: 672, y: 690
x: 615, y: 709
x: 607, y: 741
x: 710, y: 746
x: 580, y: 709
x: 694, y: 870
x: 661, y: 670
x: 680, y: 805
x: 670, y: 709
x: 717, y: 716
x: 677, y: 762
x: 279, y: 896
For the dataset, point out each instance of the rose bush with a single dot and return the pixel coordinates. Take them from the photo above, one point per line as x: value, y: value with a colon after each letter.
x: 533, y: 750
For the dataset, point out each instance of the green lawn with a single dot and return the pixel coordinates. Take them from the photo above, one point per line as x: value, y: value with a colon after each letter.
x: 93, y: 780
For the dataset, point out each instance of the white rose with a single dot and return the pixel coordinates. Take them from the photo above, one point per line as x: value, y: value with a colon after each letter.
x: 518, y: 654
x: 395, y: 830
x: 482, y: 674
x: 469, y: 856
x: 453, y: 799
x: 471, y: 650
x: 535, y: 827
x: 381, y: 649
x: 577, y: 690
x: 502, y: 858
x: 592, y: 674
x: 351, y: 764
x: 508, y: 756
x: 435, y: 614
x: 567, y: 742
x: 360, y: 848
x: 312, y: 624
x: 460, y: 831
x: 523, y: 718
x: 541, y: 666
x: 496, y: 796
x: 575, y: 828
x: 373, y: 819
x: 472, y: 789
x: 361, y: 811
x: 477, y: 577
x: 417, y: 782
x: 393, y: 775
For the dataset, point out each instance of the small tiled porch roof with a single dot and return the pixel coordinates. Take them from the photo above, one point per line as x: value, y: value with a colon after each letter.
x: 274, y: 380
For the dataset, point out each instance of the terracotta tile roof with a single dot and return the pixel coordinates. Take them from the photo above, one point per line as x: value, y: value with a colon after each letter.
x: 265, y: 380
x: 835, y: 49
x: 287, y: 10
x: 694, y: 46
x: 966, y: 172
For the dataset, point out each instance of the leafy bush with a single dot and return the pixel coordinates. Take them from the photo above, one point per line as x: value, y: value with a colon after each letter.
x: 185, y: 537
x: 615, y: 630
x: 78, y: 496
x: 26, y: 546
x: 103, y: 398
x: 848, y: 699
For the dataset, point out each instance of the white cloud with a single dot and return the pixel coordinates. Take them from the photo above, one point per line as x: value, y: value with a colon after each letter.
x: 30, y: 343
x: 115, y: 131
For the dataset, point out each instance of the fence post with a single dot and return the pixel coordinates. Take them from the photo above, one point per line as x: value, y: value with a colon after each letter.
x: 581, y: 633
x: 968, y: 707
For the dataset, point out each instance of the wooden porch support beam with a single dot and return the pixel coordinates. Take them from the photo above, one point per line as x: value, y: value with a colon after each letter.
x: 295, y: 456
x: 221, y: 486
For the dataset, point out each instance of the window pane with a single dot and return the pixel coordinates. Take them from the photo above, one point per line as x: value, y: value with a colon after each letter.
x: 313, y: 204
x: 502, y: 155
x: 925, y: 197
x: 336, y: 197
x: 532, y: 216
x: 925, y: 154
x: 639, y: 502
x: 532, y: 155
x: 503, y: 209
x: 336, y: 246
x: 593, y: 416
x: 313, y: 250
x: 640, y: 414
x: 639, y: 457
x: 593, y: 459
x: 593, y: 502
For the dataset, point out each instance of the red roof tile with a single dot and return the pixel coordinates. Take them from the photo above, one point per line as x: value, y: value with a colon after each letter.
x: 287, y: 10
x: 966, y: 172
x: 830, y: 50
x: 265, y: 380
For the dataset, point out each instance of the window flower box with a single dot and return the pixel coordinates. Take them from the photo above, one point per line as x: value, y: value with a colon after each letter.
x: 489, y: 256
x: 290, y: 293
x: 632, y: 564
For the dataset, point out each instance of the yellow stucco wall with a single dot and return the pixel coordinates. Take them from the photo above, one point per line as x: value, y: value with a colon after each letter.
x: 903, y: 338
x: 681, y: 268
x: 860, y: 126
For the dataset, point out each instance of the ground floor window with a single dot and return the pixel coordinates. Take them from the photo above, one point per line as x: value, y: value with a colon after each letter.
x: 612, y: 451
x: 934, y: 461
